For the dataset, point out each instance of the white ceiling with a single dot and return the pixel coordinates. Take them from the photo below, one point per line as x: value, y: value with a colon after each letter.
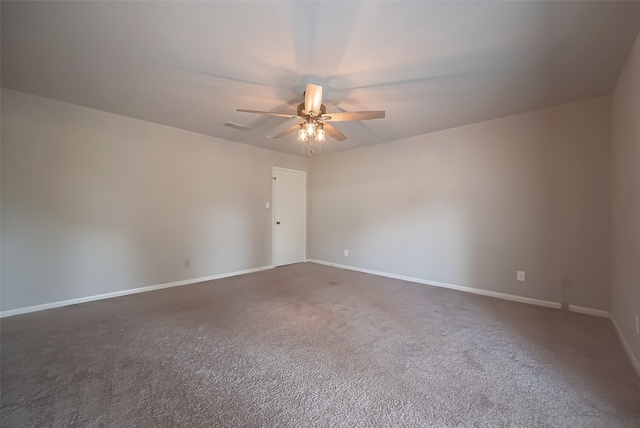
x: 430, y: 65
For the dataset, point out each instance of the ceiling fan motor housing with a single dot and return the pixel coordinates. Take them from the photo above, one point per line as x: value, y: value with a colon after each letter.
x: 302, y: 112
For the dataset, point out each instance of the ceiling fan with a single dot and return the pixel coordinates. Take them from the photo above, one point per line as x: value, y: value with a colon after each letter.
x: 313, y: 117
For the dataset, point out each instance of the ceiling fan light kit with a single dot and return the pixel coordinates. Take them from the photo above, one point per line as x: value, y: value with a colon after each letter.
x: 311, y: 128
x: 314, y: 117
x: 302, y: 134
x: 320, y: 133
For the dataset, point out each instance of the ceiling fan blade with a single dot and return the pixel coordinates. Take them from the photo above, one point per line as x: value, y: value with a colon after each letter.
x: 334, y: 133
x: 287, y: 131
x: 269, y: 113
x: 313, y: 99
x: 353, y: 115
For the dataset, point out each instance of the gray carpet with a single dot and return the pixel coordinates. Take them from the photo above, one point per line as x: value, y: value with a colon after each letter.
x: 310, y: 345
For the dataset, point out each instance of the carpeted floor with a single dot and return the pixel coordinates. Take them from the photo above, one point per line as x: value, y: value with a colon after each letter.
x: 309, y: 345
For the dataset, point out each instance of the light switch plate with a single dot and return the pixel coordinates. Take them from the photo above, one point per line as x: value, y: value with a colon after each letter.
x: 520, y: 275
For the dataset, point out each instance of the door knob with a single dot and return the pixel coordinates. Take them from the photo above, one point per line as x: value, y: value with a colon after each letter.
x: 277, y: 222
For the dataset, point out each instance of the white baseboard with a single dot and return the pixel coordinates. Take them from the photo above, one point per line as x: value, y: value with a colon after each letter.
x: 627, y: 348
x: 25, y: 310
x: 589, y: 311
x: 545, y: 303
x: 446, y: 285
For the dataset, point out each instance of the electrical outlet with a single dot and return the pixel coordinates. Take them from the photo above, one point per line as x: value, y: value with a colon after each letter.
x: 346, y: 252
x: 566, y: 283
x: 187, y: 263
x: 637, y: 324
x: 520, y: 275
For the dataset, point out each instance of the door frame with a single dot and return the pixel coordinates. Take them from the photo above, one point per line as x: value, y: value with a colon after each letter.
x: 273, y: 210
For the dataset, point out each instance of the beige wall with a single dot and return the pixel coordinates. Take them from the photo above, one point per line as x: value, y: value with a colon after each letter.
x: 470, y: 206
x: 625, y: 286
x: 95, y: 203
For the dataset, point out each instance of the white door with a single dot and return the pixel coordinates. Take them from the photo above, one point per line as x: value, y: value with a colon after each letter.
x: 289, y: 216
